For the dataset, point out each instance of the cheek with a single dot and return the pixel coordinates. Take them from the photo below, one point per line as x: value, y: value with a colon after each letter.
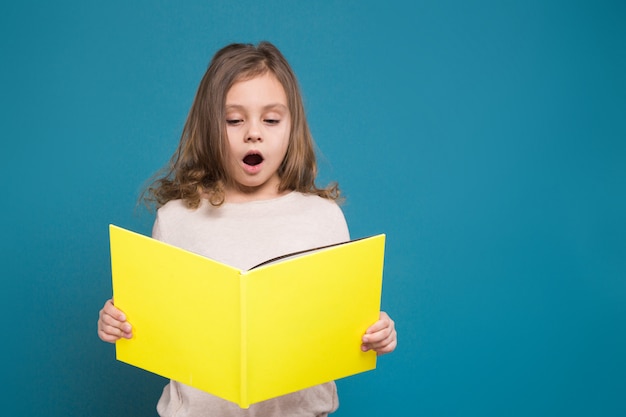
x: 284, y: 146
x: 230, y: 162
x: 230, y: 138
x: 232, y: 144
x: 286, y: 138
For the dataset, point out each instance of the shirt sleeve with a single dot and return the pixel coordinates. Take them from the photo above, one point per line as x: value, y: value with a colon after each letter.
x: 340, y: 225
x: 156, y: 229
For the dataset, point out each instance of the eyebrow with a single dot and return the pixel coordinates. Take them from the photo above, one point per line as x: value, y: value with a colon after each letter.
x: 265, y: 108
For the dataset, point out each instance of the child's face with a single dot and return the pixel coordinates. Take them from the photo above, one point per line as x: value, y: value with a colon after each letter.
x: 258, y: 125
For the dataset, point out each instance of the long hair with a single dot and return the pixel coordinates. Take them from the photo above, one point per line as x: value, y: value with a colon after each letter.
x: 197, y: 167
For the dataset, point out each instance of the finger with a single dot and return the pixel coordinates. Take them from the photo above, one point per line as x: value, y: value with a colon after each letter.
x: 387, y: 348
x: 111, y: 333
x: 376, y: 335
x: 106, y: 337
x: 112, y: 324
x: 114, y: 319
x: 383, y: 322
x: 382, y: 341
x: 384, y: 346
x: 111, y: 310
x: 376, y: 338
x: 107, y: 333
x: 117, y: 315
x: 115, y: 327
x: 390, y: 343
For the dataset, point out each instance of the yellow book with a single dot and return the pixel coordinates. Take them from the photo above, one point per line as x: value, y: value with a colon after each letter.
x: 247, y: 336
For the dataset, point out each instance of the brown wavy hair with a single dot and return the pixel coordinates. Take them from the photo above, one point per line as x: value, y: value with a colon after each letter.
x: 197, y: 167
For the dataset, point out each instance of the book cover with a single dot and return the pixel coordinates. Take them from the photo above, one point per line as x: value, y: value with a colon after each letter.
x: 247, y: 336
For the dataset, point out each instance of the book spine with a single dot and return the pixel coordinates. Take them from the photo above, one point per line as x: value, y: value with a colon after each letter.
x: 243, y: 303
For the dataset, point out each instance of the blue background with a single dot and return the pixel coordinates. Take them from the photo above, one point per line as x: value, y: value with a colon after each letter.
x: 487, y: 139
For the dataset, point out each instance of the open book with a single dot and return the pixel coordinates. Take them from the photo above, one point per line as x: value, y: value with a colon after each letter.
x: 247, y: 336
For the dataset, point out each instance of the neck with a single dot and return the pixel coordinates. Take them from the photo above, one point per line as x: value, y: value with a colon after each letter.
x: 242, y: 194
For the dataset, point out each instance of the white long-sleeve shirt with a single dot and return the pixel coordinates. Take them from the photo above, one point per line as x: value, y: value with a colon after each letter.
x: 243, y: 235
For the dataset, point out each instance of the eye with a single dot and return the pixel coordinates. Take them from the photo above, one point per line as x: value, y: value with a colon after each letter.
x: 233, y: 122
x: 271, y: 121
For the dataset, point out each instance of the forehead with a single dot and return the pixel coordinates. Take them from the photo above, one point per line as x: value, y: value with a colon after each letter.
x: 261, y: 90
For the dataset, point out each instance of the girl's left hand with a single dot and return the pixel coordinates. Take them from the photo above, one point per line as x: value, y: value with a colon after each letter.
x: 381, y: 336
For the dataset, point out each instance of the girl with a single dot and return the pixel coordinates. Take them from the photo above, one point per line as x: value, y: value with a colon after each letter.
x: 240, y: 189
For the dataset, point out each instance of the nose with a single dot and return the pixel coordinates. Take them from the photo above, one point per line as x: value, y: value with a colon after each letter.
x: 254, y: 132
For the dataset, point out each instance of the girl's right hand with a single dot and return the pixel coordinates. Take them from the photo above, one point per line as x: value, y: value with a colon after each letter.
x: 112, y: 324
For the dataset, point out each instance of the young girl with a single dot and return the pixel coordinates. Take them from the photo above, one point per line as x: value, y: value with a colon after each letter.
x: 240, y: 189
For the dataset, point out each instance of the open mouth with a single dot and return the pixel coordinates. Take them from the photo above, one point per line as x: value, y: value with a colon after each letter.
x: 253, y: 159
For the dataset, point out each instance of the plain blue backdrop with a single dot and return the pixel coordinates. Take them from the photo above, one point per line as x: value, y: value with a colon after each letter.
x: 487, y: 139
